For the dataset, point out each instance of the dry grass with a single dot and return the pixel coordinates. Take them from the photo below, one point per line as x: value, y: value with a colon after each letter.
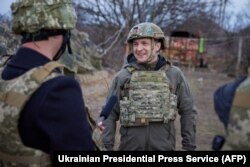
x: 202, y: 84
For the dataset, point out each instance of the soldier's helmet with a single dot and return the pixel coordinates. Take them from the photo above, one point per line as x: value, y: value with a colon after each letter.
x: 30, y: 16
x: 147, y: 30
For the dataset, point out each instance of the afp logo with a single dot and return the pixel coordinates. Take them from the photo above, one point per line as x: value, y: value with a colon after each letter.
x: 233, y: 158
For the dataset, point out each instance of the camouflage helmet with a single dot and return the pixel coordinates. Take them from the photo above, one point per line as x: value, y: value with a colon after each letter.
x: 29, y: 16
x: 147, y: 30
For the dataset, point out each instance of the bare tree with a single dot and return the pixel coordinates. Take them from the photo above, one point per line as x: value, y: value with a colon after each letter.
x: 103, y: 18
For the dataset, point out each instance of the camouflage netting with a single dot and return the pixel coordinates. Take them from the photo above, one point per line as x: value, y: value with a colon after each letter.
x: 85, y: 58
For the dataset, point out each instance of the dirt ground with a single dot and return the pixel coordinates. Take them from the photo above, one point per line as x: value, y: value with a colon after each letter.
x: 203, y: 83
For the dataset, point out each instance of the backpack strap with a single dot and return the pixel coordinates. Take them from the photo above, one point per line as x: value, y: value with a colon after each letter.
x: 40, y: 74
x: 241, y: 99
x: 13, y: 98
x: 17, y: 99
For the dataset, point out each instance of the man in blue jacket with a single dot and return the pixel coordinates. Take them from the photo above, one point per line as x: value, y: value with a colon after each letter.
x: 232, y: 106
x: 52, y: 117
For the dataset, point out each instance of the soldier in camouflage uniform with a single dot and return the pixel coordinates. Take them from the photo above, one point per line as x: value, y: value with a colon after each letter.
x: 41, y: 110
x: 150, y: 91
x: 232, y: 104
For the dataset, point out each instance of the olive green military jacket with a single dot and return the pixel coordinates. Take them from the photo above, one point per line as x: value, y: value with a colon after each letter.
x: 155, y: 136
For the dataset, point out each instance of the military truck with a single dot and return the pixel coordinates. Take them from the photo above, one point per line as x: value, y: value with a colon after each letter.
x: 186, y: 49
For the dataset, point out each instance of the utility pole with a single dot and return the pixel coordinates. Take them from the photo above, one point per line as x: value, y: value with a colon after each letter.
x: 220, y: 11
x: 150, y: 18
x: 239, y: 55
x: 223, y: 12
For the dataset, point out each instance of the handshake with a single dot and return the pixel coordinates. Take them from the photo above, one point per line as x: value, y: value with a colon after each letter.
x: 105, y: 112
x: 99, y: 126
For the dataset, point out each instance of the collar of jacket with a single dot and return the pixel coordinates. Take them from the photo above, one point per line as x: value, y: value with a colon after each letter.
x: 131, y: 61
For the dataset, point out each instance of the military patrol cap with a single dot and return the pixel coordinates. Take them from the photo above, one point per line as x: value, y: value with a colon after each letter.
x: 147, y: 30
x: 30, y: 16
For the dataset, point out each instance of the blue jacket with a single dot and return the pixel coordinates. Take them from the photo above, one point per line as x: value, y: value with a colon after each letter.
x: 54, y: 118
x: 223, y: 98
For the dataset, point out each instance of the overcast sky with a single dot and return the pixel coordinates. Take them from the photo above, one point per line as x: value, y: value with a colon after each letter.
x: 5, y: 6
x: 237, y: 6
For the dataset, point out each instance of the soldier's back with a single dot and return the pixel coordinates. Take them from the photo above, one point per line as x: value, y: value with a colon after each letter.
x: 239, y: 122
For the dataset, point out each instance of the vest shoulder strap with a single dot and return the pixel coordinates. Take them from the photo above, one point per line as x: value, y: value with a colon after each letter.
x: 242, y: 94
x: 41, y: 73
x: 18, y: 99
x: 241, y: 99
x: 130, y: 69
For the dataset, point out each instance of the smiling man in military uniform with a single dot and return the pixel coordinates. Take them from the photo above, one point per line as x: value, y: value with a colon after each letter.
x: 150, y: 91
